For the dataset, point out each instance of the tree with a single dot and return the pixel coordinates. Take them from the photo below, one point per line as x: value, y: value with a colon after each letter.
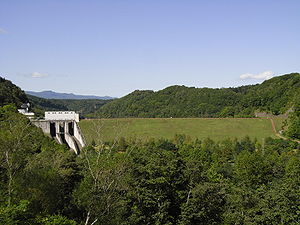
x: 48, y: 184
x: 18, y: 142
x: 156, y: 185
x: 101, y: 191
x: 293, y: 128
x: 205, y: 205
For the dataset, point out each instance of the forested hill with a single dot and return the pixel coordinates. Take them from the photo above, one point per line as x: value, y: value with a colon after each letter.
x: 276, y: 95
x: 11, y: 94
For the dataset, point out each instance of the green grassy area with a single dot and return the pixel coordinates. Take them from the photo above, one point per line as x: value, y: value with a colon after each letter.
x: 216, y: 129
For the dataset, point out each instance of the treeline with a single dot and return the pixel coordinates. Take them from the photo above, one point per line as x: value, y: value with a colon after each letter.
x: 275, y: 96
x: 175, y: 181
x: 292, y: 125
x: 83, y: 106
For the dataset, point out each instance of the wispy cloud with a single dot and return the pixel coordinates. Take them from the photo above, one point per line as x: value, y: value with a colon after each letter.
x: 2, y: 31
x: 38, y: 75
x: 261, y: 76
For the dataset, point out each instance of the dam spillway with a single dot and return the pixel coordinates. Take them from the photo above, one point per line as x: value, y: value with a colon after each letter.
x: 62, y: 126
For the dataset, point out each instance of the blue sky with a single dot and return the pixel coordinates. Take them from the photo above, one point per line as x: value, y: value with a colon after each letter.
x: 114, y: 47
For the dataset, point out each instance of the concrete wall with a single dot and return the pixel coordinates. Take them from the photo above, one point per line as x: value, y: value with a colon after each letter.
x: 44, y: 125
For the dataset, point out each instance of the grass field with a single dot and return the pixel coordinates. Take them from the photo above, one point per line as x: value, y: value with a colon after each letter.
x: 216, y: 129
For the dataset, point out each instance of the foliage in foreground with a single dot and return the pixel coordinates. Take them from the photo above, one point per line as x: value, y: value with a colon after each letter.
x: 175, y: 181
x: 293, y: 124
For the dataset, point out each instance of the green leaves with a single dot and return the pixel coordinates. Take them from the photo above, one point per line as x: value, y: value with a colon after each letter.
x: 204, y: 205
x: 293, y: 127
x: 15, y: 214
x: 156, y: 184
x: 11, y: 94
x: 102, y: 189
x: 55, y: 220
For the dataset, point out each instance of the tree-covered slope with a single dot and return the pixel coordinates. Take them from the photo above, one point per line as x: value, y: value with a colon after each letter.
x: 276, y: 95
x: 11, y: 94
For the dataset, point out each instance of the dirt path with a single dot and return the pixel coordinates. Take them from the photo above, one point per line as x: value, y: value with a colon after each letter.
x: 278, y: 134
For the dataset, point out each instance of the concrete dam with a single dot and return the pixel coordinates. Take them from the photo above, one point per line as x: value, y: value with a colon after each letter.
x: 62, y: 126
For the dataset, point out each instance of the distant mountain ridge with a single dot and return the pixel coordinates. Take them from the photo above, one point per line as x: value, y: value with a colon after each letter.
x: 57, y: 95
x: 82, y: 106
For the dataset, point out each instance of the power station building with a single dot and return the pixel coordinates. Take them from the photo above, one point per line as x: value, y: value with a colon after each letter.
x: 62, y: 115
